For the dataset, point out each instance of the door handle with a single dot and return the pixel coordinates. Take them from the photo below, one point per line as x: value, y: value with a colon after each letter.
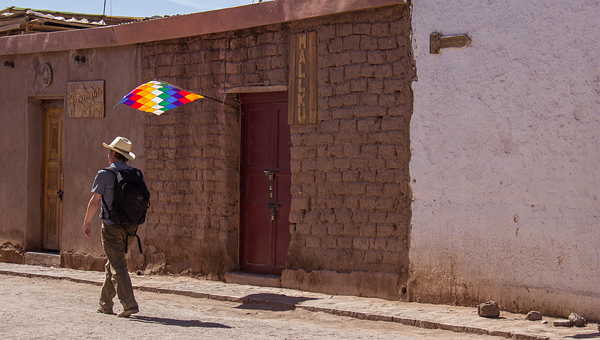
x: 60, y: 194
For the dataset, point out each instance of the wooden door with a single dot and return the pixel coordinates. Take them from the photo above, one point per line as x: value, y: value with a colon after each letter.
x: 52, y: 179
x: 266, y: 179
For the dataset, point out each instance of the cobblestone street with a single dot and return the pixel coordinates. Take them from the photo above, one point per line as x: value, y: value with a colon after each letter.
x: 35, y: 308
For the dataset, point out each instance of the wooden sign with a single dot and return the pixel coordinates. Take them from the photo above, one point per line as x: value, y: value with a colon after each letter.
x: 85, y: 99
x: 302, y: 90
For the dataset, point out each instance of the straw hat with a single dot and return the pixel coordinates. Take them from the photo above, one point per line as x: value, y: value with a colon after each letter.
x: 121, y: 145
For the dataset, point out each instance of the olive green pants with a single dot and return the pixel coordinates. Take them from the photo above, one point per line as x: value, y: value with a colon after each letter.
x: 117, y: 281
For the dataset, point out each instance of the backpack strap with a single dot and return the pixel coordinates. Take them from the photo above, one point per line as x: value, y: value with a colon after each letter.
x: 102, y: 197
x: 134, y: 235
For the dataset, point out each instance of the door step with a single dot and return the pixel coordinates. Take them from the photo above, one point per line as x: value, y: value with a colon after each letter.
x: 42, y: 259
x: 253, y: 279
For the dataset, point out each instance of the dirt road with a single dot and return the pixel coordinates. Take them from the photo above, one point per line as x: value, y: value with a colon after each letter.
x: 51, y: 309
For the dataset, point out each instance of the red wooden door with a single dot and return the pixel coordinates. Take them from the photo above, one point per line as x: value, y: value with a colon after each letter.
x: 266, y: 179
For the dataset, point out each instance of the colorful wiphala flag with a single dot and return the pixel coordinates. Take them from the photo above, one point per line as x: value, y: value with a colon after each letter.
x: 157, y: 97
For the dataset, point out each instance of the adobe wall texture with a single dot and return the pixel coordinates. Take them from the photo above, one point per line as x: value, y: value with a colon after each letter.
x: 505, y: 155
x: 83, y: 154
x: 350, y: 208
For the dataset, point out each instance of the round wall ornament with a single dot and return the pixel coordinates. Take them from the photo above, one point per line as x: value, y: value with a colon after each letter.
x: 47, y: 75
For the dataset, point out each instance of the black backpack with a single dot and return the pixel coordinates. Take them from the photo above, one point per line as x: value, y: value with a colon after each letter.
x: 131, y: 199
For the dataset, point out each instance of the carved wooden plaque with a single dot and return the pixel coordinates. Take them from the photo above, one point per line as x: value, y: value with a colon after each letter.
x: 85, y: 99
x: 302, y: 89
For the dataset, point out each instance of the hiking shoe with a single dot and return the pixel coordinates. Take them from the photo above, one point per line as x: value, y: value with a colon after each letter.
x: 127, y: 313
x: 104, y: 311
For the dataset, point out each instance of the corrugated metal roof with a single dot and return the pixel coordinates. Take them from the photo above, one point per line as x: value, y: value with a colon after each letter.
x: 16, y: 21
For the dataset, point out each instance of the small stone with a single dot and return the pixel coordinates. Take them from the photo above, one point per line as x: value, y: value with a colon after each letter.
x: 577, y: 320
x: 534, y: 316
x: 488, y: 309
x: 544, y: 322
x: 562, y: 323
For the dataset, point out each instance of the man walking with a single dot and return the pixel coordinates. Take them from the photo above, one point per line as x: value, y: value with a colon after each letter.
x: 115, y: 238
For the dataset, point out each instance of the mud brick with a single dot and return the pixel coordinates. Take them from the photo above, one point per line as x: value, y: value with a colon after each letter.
x: 327, y: 60
x: 368, y: 43
x: 378, y: 243
x: 386, y: 151
x: 388, y: 100
x: 374, y: 189
x: 341, y: 163
x: 367, y: 176
x: 369, y: 125
x: 385, y: 204
x: 336, y: 45
x: 394, y: 85
x: 335, y: 150
x: 386, y: 176
x: 335, y: 229
x: 367, y: 203
x: 396, y: 244
x: 350, y: 201
x: 386, y: 230
x: 361, y: 28
x: 321, y: 177
x: 342, y: 89
x: 336, y: 75
x: 358, y: 57
x: 350, y: 176
x: 313, y: 241
x: 380, y: 29
x: 329, y: 242
x: 318, y: 230
x: 334, y: 176
x: 360, y: 216
x: 351, y: 229
x: 352, y: 42
x: 326, y: 32
x: 392, y: 258
x: 164, y: 218
x: 312, y: 217
x: 300, y: 152
x: 296, y: 217
x: 360, y: 243
x: 359, y: 164
x: 359, y: 85
x: 378, y: 216
x: 342, y: 59
x: 344, y: 243
x: 343, y: 30
x: 373, y: 256
x: 265, y: 38
x: 343, y: 216
x: 328, y: 216
x: 368, y: 111
x: 276, y: 76
x: 209, y: 186
x: 334, y: 202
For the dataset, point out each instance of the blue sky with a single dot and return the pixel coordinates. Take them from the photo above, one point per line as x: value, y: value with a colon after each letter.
x: 130, y: 8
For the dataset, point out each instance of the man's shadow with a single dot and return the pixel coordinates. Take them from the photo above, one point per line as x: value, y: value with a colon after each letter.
x: 175, y: 322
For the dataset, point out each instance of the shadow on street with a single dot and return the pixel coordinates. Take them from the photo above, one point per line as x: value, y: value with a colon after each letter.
x: 272, y: 302
x: 175, y: 322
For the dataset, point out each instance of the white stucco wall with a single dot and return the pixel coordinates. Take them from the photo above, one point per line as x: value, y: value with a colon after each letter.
x: 505, y: 141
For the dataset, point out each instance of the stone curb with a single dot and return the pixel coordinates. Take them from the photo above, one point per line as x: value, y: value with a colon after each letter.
x: 334, y: 311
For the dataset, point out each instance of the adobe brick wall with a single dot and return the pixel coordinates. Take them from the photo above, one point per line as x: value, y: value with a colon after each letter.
x: 350, y: 181
x: 350, y: 188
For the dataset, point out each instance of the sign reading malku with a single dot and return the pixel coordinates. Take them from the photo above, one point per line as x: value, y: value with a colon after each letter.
x: 85, y: 99
x: 302, y: 90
